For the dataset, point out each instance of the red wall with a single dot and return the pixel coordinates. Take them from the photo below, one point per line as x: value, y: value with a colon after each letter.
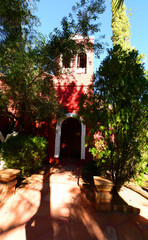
x: 70, y: 85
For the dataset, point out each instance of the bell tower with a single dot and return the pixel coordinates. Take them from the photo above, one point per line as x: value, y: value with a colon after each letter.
x: 75, y: 77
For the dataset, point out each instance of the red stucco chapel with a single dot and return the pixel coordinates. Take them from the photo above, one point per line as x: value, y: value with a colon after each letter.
x: 68, y: 141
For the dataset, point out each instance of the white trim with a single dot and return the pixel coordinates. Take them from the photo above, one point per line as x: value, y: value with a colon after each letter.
x: 58, y: 136
x: 57, y: 140
x: 83, y: 134
x: 82, y: 70
x: 80, y: 37
x: 87, y: 64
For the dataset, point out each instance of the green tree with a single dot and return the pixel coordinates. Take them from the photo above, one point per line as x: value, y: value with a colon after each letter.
x: 121, y: 36
x: 115, y: 108
x: 120, y: 27
x: 118, y: 4
x: 118, y: 110
x: 85, y: 14
x: 16, y: 20
x: 25, y: 57
x: 27, y: 94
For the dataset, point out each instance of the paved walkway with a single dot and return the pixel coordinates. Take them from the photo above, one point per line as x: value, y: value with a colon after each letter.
x: 56, y: 209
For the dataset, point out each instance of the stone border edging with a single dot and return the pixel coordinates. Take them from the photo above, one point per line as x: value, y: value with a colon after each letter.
x: 137, y: 189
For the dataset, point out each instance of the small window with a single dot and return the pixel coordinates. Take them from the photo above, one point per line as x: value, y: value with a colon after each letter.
x: 81, y: 61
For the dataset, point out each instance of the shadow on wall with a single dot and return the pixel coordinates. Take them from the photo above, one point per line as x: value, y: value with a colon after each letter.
x: 69, y: 95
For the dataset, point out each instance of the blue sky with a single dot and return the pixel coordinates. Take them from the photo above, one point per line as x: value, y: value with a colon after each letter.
x: 50, y: 13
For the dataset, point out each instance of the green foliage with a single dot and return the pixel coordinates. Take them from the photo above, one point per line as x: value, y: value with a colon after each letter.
x: 25, y: 153
x: 116, y: 4
x: 143, y: 166
x: 120, y: 26
x: 16, y: 19
x: 87, y: 12
x: 116, y: 113
x: 28, y: 95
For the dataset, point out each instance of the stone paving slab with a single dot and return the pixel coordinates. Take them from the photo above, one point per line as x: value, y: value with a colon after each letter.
x: 60, y: 211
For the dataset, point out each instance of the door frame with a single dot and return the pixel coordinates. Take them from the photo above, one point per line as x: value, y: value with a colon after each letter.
x: 58, y: 136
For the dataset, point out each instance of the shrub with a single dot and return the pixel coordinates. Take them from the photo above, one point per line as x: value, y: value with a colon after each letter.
x: 25, y: 153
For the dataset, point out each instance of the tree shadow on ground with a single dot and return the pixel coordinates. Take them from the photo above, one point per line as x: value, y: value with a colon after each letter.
x: 106, y: 225
x: 45, y: 225
x: 40, y: 223
x: 81, y: 222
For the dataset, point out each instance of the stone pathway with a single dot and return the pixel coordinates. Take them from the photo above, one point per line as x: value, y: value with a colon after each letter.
x: 56, y: 209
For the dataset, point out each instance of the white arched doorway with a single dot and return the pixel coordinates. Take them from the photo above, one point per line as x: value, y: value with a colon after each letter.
x: 58, y: 136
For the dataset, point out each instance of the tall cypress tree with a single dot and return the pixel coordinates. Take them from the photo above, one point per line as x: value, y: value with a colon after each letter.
x: 120, y: 26
x: 117, y: 108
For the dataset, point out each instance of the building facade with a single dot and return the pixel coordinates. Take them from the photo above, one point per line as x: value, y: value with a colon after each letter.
x: 68, y: 141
